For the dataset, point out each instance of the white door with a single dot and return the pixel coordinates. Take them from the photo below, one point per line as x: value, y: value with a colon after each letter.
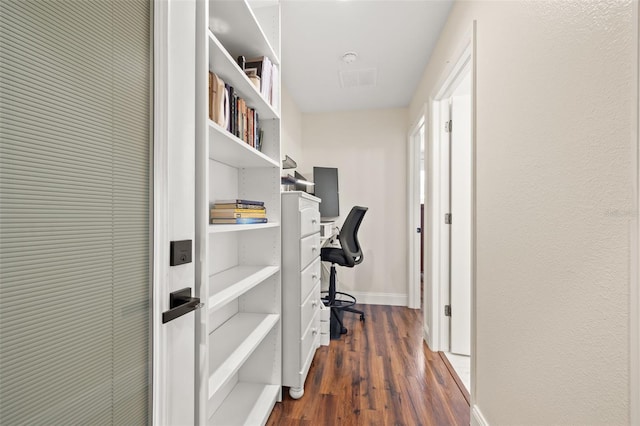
x: 76, y: 309
x: 461, y: 218
x: 96, y: 178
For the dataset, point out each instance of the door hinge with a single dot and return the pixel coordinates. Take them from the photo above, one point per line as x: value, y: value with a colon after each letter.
x: 447, y: 218
x: 447, y: 126
x: 418, y: 230
x: 447, y: 310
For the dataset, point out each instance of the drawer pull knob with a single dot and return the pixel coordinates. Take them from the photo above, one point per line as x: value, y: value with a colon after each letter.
x: 314, y: 248
x: 314, y: 303
x: 314, y: 331
x: 314, y: 276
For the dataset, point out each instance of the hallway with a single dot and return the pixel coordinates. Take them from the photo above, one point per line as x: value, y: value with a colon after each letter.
x: 380, y: 373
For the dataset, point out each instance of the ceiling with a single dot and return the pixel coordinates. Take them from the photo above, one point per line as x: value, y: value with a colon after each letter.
x: 392, y: 38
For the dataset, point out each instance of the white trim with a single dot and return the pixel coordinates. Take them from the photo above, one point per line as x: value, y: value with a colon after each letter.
x: 413, y: 211
x: 477, y: 419
x: 474, y: 209
x: 389, y: 299
x: 426, y: 336
x: 634, y: 291
x: 160, y: 205
x: 436, y: 242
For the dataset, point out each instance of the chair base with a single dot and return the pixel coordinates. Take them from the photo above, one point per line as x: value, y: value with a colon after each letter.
x: 338, y: 302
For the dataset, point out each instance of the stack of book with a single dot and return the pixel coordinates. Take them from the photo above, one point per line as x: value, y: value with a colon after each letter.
x: 238, y: 212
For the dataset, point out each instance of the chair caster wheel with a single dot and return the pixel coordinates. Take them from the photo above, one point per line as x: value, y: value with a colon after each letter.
x: 343, y: 330
x: 361, y: 317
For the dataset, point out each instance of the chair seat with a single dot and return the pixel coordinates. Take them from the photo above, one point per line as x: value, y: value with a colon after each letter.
x: 333, y: 255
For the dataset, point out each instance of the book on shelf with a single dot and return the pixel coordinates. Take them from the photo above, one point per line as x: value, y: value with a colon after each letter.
x: 251, y: 130
x: 217, y: 99
x: 269, y: 78
x: 223, y: 214
x: 275, y: 88
x: 259, y: 141
x: 233, y: 100
x: 238, y: 206
x: 240, y: 201
x: 239, y: 220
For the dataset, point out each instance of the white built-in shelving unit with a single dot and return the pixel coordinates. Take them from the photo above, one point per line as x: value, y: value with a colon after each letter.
x: 238, y: 267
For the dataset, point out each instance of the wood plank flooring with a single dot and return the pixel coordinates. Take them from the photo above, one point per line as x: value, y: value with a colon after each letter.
x: 379, y: 373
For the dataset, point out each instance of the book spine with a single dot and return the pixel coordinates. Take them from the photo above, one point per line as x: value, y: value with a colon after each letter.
x: 211, y: 95
x: 239, y: 207
x: 244, y: 121
x: 239, y: 221
x: 232, y: 106
x: 238, y: 215
x: 239, y: 201
x: 256, y: 130
x: 229, y: 112
x: 251, y: 139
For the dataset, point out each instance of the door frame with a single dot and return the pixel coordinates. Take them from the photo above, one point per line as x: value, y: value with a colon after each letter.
x: 173, y: 193
x: 413, y: 208
x: 634, y: 302
x: 462, y: 61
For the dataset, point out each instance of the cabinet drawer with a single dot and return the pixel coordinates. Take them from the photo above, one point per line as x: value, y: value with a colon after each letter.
x: 308, y: 278
x: 309, y: 249
x: 309, y: 307
x: 308, y: 343
x: 309, y: 221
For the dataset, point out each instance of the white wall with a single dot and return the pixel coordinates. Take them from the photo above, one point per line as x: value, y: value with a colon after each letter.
x: 291, y: 127
x: 369, y: 150
x: 555, y: 169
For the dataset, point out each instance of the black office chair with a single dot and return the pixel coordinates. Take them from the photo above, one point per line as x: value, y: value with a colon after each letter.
x: 348, y: 254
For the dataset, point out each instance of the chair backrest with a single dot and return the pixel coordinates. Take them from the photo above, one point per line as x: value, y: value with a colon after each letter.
x: 349, y: 235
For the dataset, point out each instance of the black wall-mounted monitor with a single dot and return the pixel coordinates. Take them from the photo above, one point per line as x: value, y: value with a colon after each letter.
x: 326, y: 188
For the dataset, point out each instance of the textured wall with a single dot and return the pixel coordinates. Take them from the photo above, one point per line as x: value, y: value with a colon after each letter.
x: 369, y: 150
x: 555, y: 169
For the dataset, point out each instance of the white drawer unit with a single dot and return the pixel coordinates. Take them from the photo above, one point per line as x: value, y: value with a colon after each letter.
x: 300, y: 287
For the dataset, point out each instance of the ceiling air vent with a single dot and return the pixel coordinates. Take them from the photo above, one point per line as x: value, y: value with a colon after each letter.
x: 358, y: 78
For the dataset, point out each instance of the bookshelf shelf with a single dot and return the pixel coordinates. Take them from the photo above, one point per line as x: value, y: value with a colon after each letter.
x: 237, y: 27
x: 248, y: 404
x: 232, y: 283
x: 232, y: 151
x: 213, y: 229
x: 233, y: 342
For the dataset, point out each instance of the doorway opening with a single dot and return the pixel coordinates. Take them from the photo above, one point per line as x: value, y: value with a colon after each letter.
x: 448, y: 129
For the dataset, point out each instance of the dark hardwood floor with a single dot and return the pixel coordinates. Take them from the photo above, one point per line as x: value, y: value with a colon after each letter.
x: 380, y: 373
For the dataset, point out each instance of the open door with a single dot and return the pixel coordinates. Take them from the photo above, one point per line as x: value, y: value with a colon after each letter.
x: 460, y: 169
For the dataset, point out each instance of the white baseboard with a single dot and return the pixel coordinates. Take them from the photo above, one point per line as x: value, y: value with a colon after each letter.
x: 477, y: 419
x: 426, y: 336
x: 391, y: 299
